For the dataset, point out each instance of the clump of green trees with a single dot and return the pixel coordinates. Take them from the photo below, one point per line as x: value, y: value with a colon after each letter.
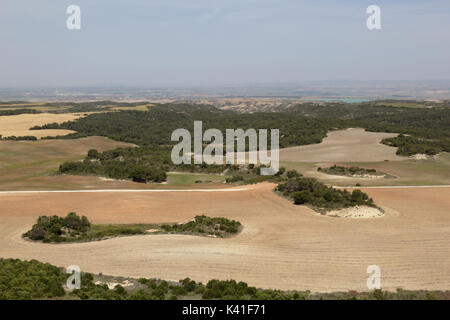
x: 74, y: 228
x: 18, y: 111
x: 408, y: 145
x: 249, y: 174
x: 153, y: 289
x: 58, y: 229
x: 20, y: 138
x: 139, y: 164
x: 348, y: 171
x: 213, y: 290
x: 26, y: 280
x: 428, y: 131
x: 155, y: 125
x: 310, y: 191
x: 126, y: 163
x: 203, y: 225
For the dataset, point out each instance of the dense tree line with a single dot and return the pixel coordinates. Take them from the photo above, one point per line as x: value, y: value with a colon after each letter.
x: 428, y: 130
x: 121, y: 163
x: 408, y: 146
x: 14, y: 102
x: 20, y: 138
x: 71, y: 107
x: 299, y: 124
x: 347, y: 171
x: 73, y: 228
x: 18, y: 111
x: 35, y: 280
x: 156, y: 125
x: 140, y: 164
x: 26, y: 280
x: 137, y: 164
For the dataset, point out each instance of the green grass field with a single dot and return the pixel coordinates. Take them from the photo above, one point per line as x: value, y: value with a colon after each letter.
x: 179, y: 179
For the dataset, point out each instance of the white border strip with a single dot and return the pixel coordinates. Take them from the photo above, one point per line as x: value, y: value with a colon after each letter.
x: 122, y: 190
x: 391, y: 187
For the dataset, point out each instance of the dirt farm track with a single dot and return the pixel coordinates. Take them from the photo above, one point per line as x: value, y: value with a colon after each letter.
x: 282, y: 246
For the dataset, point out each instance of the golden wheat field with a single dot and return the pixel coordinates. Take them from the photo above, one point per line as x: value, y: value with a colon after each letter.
x: 19, y: 125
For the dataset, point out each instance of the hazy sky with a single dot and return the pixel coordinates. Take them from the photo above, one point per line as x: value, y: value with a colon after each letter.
x: 217, y: 42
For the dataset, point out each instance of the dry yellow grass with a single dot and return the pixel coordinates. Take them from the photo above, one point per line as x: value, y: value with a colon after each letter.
x: 282, y: 246
x: 19, y: 125
x: 30, y: 164
x: 349, y: 145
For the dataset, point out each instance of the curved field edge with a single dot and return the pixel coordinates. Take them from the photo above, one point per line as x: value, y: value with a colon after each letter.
x: 410, y: 243
x: 29, y: 280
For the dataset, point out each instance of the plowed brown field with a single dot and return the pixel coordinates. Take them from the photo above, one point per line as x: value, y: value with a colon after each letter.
x: 282, y: 246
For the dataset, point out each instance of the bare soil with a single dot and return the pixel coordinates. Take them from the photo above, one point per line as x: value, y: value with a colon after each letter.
x: 281, y: 246
x: 351, y: 145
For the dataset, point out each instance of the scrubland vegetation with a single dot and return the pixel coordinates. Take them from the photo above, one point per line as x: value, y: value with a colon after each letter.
x: 25, y: 280
x: 19, y: 138
x: 121, y: 163
x: 139, y: 164
x: 408, y: 146
x: 73, y: 228
x: 219, y: 227
x: 299, y: 124
x: 155, y: 126
x: 136, y: 164
x: 309, y: 191
x: 422, y: 131
x: 349, y: 171
x: 57, y: 229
